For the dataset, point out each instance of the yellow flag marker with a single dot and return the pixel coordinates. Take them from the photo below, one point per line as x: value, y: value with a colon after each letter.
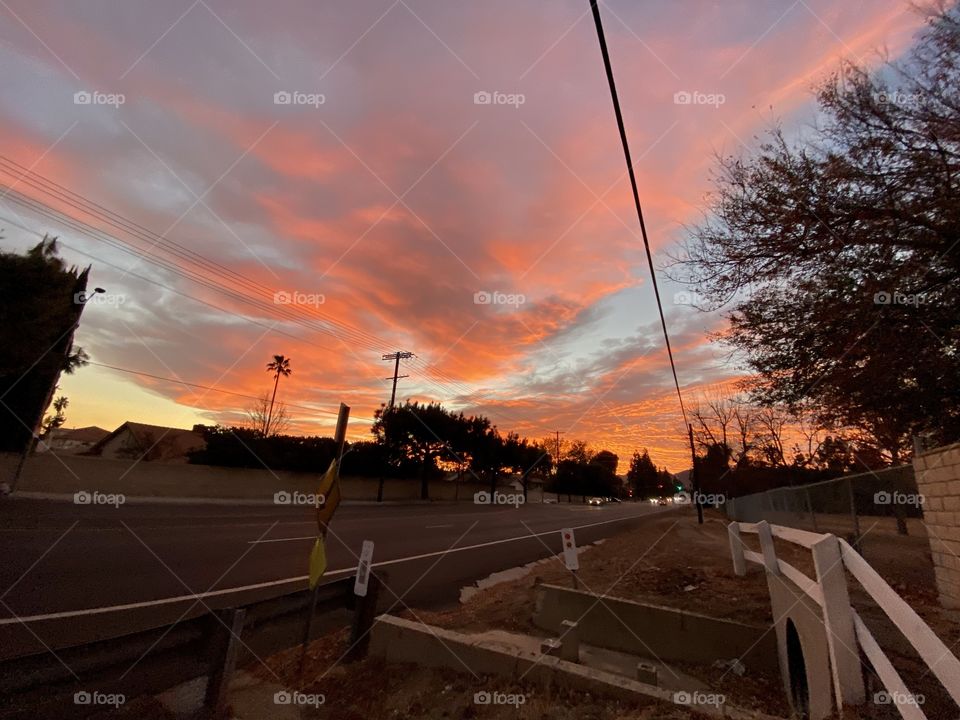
x: 328, y: 498
x: 318, y: 562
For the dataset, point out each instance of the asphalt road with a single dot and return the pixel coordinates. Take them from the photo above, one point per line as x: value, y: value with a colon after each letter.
x: 65, y: 562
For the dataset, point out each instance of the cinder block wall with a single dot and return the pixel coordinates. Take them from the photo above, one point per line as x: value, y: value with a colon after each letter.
x: 938, y: 480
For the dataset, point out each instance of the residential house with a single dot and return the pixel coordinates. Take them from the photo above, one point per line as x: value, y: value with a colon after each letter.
x: 139, y: 441
x: 69, y: 441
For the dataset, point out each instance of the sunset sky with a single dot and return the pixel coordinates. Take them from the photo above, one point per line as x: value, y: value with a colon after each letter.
x: 384, y: 198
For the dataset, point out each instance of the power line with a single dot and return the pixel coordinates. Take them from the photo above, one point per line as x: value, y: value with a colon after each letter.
x: 78, y: 202
x: 636, y: 194
x: 203, y: 387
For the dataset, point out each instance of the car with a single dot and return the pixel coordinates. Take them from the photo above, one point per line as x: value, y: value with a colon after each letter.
x: 662, y: 501
x: 598, y: 501
x: 613, y: 499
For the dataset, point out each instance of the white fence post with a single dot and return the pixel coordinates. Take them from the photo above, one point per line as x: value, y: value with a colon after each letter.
x: 736, y: 549
x: 838, y: 621
x: 766, y: 545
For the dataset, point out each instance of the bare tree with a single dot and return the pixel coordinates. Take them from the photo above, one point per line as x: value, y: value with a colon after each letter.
x: 268, y: 418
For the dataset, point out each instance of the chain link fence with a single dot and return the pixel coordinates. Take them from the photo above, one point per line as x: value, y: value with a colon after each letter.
x: 848, y: 506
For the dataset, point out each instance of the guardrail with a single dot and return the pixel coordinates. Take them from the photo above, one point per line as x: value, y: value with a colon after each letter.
x: 162, y: 657
x: 846, y: 630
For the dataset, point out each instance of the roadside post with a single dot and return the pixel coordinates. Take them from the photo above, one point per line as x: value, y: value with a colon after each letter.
x: 366, y: 588
x: 328, y: 499
x: 694, y: 480
x: 570, y: 558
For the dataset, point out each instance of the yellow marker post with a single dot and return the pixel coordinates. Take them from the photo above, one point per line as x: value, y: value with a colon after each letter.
x: 328, y: 499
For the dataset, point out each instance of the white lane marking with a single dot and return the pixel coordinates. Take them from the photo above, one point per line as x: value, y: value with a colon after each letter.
x: 430, y: 527
x: 467, y: 547
x: 299, y: 578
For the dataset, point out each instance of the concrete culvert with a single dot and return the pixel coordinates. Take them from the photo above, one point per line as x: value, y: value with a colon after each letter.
x: 799, y: 692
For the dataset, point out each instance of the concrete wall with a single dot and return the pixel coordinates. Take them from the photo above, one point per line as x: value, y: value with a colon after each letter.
x: 791, y: 606
x: 644, y: 629
x: 53, y: 473
x: 938, y: 480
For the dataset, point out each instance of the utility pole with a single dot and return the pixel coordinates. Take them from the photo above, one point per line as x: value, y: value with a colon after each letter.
x: 556, y: 465
x: 396, y: 356
x: 558, y: 433
x: 694, y: 479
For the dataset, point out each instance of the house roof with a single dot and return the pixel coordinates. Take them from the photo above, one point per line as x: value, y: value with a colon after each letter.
x: 90, y: 434
x: 165, y: 443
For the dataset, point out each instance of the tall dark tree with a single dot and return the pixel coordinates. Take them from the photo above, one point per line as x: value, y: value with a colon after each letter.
x: 41, y: 300
x: 642, y: 476
x: 838, y: 255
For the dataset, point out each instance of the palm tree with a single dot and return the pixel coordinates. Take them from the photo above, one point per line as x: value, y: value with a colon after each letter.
x: 280, y: 365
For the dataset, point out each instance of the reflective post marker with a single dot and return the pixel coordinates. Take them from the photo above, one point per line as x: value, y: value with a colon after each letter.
x: 363, y: 569
x: 570, y: 558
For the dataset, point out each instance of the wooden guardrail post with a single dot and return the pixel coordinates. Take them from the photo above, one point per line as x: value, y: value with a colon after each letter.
x: 839, y: 624
x: 223, y: 661
x: 363, y: 617
x: 736, y: 549
x: 766, y: 545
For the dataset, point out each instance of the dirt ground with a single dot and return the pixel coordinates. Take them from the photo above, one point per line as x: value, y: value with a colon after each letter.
x: 670, y: 560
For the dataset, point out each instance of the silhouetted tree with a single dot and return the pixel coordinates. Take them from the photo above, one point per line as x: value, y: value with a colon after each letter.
x: 838, y: 255
x: 280, y: 365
